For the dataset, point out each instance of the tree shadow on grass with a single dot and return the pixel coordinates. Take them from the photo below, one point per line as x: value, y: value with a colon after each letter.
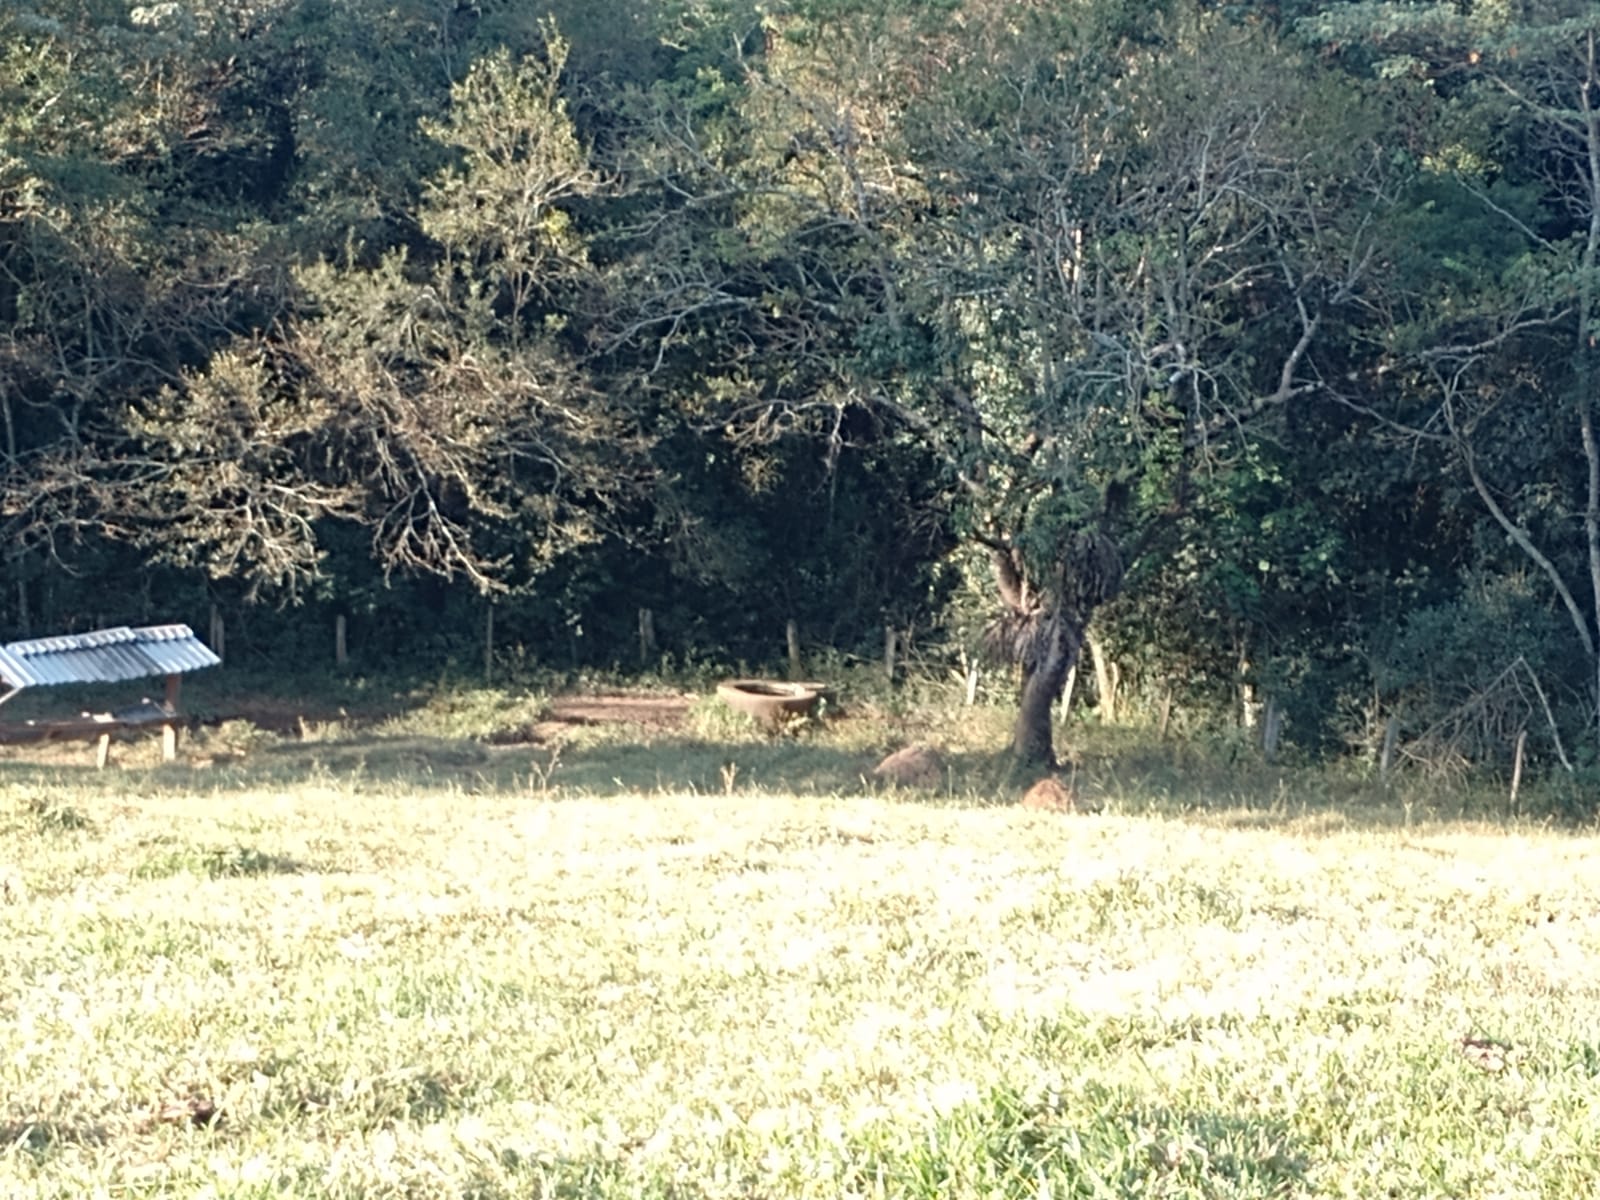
x: 678, y: 766
x: 617, y: 764
x: 1132, y: 773
x: 1117, y: 771
x: 551, y: 760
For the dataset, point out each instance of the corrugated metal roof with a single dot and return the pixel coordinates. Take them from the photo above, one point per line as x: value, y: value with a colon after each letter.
x: 104, y: 656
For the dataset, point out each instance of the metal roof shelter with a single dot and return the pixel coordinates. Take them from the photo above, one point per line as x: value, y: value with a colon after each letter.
x: 104, y: 656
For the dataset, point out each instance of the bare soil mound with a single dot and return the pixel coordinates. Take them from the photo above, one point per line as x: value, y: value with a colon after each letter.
x: 913, y: 767
x: 1049, y: 795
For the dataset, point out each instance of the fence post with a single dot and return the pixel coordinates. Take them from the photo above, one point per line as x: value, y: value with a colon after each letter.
x: 1391, y: 738
x: 488, y: 642
x: 647, y: 637
x: 1105, y: 679
x: 1516, y: 770
x: 797, y: 666
x: 1271, y: 728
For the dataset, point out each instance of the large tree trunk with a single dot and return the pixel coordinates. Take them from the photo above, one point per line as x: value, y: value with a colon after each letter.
x: 1044, y: 631
x: 1042, y: 682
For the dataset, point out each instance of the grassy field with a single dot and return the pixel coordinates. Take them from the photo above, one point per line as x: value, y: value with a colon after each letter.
x: 381, y: 962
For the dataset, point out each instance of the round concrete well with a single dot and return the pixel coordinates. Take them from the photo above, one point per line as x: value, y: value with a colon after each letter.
x: 769, y: 701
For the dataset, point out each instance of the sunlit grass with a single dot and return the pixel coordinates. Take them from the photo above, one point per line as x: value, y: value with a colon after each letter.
x: 717, y: 964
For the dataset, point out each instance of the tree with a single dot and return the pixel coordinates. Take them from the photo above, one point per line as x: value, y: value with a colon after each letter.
x: 1078, y: 254
x: 432, y: 391
x: 126, y: 250
x: 440, y: 400
x: 1489, y: 324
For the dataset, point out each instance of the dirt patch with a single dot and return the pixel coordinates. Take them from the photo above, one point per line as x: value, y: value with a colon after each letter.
x: 654, y: 713
x: 1049, y: 795
x: 657, y: 712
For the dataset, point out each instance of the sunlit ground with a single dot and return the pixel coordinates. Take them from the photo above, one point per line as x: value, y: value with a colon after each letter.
x: 392, y: 966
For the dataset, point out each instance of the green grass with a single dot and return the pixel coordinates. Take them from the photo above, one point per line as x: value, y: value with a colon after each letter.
x: 382, y: 962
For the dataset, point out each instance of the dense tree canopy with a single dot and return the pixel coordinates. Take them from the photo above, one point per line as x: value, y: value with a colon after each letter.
x: 1259, y: 338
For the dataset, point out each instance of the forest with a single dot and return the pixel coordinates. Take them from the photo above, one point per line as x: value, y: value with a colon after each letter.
x: 1246, y: 352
